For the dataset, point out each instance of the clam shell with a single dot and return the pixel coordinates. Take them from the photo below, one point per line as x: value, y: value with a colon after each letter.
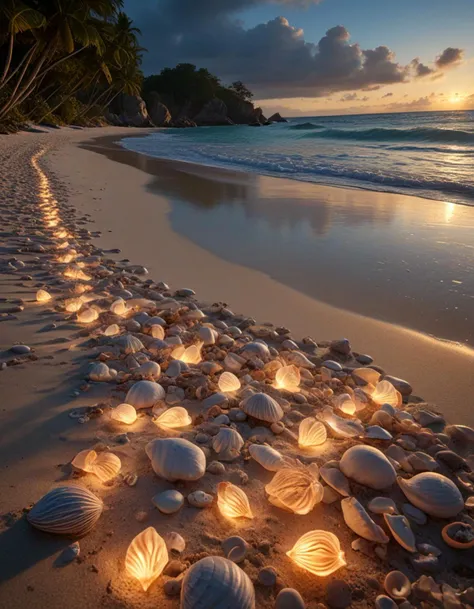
x: 311, y: 433
x: 111, y: 330
x: 208, y: 335
x: 288, y: 378
x: 129, y: 344
x: 124, y: 413
x: 360, y: 522
x: 174, y: 418
x: 433, y: 493
x: 43, y: 296
x: 157, y: 331
x: 368, y: 466
x: 401, y: 531
x: 215, y: 582
x: 233, y: 362
x: 262, y: 407
x: 318, y: 552
x: 66, y: 510
x: 385, y: 393
x: 176, y: 459
x: 188, y: 355
x: 397, y: 585
x: 146, y: 557
x: 336, y: 480
x: 228, y: 382
x: 295, y: 489
x: 364, y: 376
x: 255, y: 349
x: 299, y: 359
x: 145, y: 394
x: 228, y: 441
x: 104, y: 465
x: 341, y: 428
x: 87, y: 316
x: 150, y: 370
x: 232, y: 501
x: 345, y: 403
x: 119, y: 307
x: 267, y: 457
x: 100, y: 372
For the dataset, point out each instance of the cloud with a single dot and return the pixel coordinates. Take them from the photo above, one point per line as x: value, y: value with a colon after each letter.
x: 348, y: 97
x: 416, y: 104
x: 387, y: 95
x: 449, y: 58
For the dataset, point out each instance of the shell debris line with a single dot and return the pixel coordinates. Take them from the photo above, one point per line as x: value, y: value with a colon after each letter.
x: 297, y: 472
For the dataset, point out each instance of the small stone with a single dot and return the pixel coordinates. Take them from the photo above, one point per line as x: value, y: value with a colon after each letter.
x: 267, y: 576
x: 237, y: 415
x: 451, y: 459
x: 216, y: 399
x: 289, y: 598
x: 20, y: 349
x: 200, y: 499
x: 202, y: 438
x: 365, y: 360
x: 400, y: 385
x: 363, y: 546
x: 299, y: 398
x: 175, y: 395
x: 169, y: 501
x: 427, y: 549
x: 278, y: 427
x: 222, y: 419
x: 174, y: 568
x: 332, y: 365
x: 342, y: 346
x: 338, y: 594
x: 141, y: 516
x: 425, y: 564
x: 173, y: 587
x: 330, y: 495
x: 122, y: 439
x: 174, y: 542
x: 216, y: 467
x: 382, y: 505
x: 68, y: 555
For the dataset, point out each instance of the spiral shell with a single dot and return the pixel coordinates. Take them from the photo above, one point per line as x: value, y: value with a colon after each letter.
x: 145, y: 394
x: 262, y: 407
x: 433, y: 493
x: 295, y: 489
x: 66, y: 510
x: 397, y: 585
x: 368, y: 466
x: 232, y: 501
x: 174, y: 418
x: 146, y: 557
x: 311, y: 433
x: 176, y: 459
x: 318, y: 552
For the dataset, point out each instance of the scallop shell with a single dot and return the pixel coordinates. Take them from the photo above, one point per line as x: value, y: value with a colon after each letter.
x: 145, y: 394
x: 100, y: 372
x: 318, y: 552
x: 43, y: 296
x: 336, y: 480
x: 216, y: 582
x: 146, y: 557
x: 397, y: 585
x: 295, y: 489
x: 401, y: 531
x: 174, y: 418
x: 345, y: 403
x: 188, y: 355
x: 341, y: 428
x: 66, y: 510
x: 433, y: 493
x: 124, y: 413
x: 288, y: 378
x: 129, y: 344
x: 255, y: 349
x: 228, y: 441
x: 368, y: 466
x: 360, y: 522
x: 150, y: 370
x: 262, y: 407
x: 385, y: 393
x: 111, y: 330
x: 176, y: 459
x: 73, y: 305
x: 232, y: 501
x: 104, y: 465
x: 311, y: 433
x: 267, y: 457
x: 228, y: 382
x: 87, y: 316
x: 366, y: 376
x: 119, y: 307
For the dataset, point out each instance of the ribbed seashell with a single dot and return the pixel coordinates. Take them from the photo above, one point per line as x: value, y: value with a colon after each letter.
x: 150, y: 370
x: 318, y: 552
x: 119, y: 307
x: 255, y: 349
x: 311, y: 433
x: 385, y: 393
x: 232, y: 501
x: 216, y: 582
x: 288, y: 378
x: 233, y: 362
x: 129, y: 343
x: 145, y: 394
x: 228, y: 382
x: 401, y: 531
x: 174, y: 418
x: 336, y: 480
x: 383, y: 419
x: 112, y: 330
x: 208, y: 335
x: 124, y: 413
x: 66, y: 510
x: 368, y: 466
x: 295, y: 489
x: 146, y: 557
x: 176, y: 459
x: 43, y: 296
x: 157, y: 331
x: 262, y: 407
x: 341, y: 428
x: 397, y: 585
x: 345, y: 403
x: 267, y: 457
x: 100, y: 372
x: 87, y: 316
x: 227, y: 441
x: 299, y: 359
x: 360, y: 522
x: 433, y: 493
x: 366, y: 376
x: 104, y: 465
x: 188, y: 355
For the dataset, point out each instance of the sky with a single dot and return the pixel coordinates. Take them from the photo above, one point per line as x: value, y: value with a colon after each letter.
x: 314, y: 57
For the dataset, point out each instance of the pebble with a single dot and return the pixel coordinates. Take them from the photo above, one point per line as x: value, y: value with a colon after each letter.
x: 174, y: 541
x: 20, y: 349
x: 267, y: 576
x: 202, y: 438
x: 68, y: 555
x: 278, y: 427
x: 222, y: 419
x: 383, y: 505
x: 174, y: 568
x: 427, y: 549
x: 332, y: 365
x: 425, y: 564
x: 235, y: 548
x: 175, y: 395
x: 414, y: 513
x: 169, y: 501
x: 216, y: 399
x: 342, y: 346
x: 289, y: 598
x: 200, y: 499
x: 216, y: 467
x: 237, y: 415
x: 400, y: 385
x: 330, y: 495
x: 173, y: 587
x: 121, y: 438
x: 338, y: 594
x: 385, y: 602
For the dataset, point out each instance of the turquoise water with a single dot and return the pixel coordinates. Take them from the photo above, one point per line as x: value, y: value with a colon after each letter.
x: 426, y: 154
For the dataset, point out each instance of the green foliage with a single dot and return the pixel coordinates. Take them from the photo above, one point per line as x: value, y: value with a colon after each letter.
x: 241, y: 90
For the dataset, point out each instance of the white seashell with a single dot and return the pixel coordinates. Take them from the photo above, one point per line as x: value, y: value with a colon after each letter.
x: 145, y: 394
x: 336, y: 480
x: 262, y: 407
x: 433, y: 493
x: 289, y: 598
x: 421, y: 462
x: 368, y: 466
x: 383, y: 419
x: 385, y: 602
x: 176, y: 459
x: 318, y: 552
x: 341, y: 428
x: 124, y: 413
x: 169, y: 501
x: 119, y: 307
x: 43, y: 296
x: 288, y: 378
x: 207, y: 335
x: 267, y: 457
x: 146, y: 557
x: 382, y: 505
x: 366, y: 376
x: 112, y: 330
x: 87, y: 316
x: 73, y: 305
x: 175, y: 368
x: 174, y: 541
x: 174, y: 418
x: 385, y: 393
x: 216, y: 582
x: 200, y: 499
x: 66, y: 510
x: 129, y: 343
x: 345, y: 403
x: 295, y: 489
x: 232, y: 501
x: 104, y: 465
x: 256, y: 349
x: 228, y: 382
x: 397, y: 585
x: 311, y: 433
x: 299, y: 359
x: 157, y: 331
x: 401, y: 531
x: 233, y: 362
x: 150, y: 370
x: 360, y: 522
x: 235, y: 548
x: 100, y: 372
x: 188, y: 355
x: 228, y: 441
x: 375, y: 432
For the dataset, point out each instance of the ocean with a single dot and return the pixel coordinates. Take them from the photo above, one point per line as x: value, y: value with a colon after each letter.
x: 426, y: 154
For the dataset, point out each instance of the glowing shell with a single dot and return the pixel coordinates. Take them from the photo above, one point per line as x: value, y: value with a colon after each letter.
x: 75, y: 272
x: 119, y: 307
x: 103, y: 465
x: 124, y: 413
x: 112, y: 330
x: 345, y: 403
x: 341, y: 428
x: 288, y: 378
x: 188, y: 355
x: 146, y: 557
x: 232, y: 501
x: 385, y: 393
x: 157, y: 331
x: 318, y: 552
x: 73, y: 305
x: 43, y: 296
x: 228, y: 382
x: 311, y: 433
x: 267, y: 457
x: 295, y: 489
x: 87, y: 316
x: 145, y: 394
x: 263, y: 407
x: 174, y: 418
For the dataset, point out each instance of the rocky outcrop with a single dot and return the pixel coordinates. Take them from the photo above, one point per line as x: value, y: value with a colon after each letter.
x: 213, y: 113
x: 182, y: 122
x: 129, y: 111
x: 277, y: 118
x: 158, y: 112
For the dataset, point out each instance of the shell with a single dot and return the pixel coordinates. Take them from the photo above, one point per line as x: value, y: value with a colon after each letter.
x: 176, y: 459
x: 216, y: 582
x: 232, y: 501
x: 228, y: 382
x: 87, y: 316
x: 228, y: 441
x: 401, y: 531
x: 318, y: 552
x: 112, y: 330
x: 360, y: 522
x: 73, y: 305
x: 288, y: 378
x: 295, y: 489
x: 174, y: 541
x: 385, y: 602
x: 382, y: 505
x: 129, y: 343
x: 262, y: 407
x: 145, y: 394
x: 336, y: 480
x: 364, y: 376
x: 119, y: 307
x: 104, y: 465
x: 174, y: 418
x: 150, y: 370
x: 43, y: 296
x: 124, y: 413
x: 311, y: 433
x: 208, y: 335
x: 235, y: 548
x: 299, y: 359
x: 397, y: 585
x: 233, y: 362
x: 66, y: 510
x: 341, y: 428
x: 375, y: 432
x: 188, y: 355
x: 345, y: 403
x: 267, y: 457
x: 383, y: 419
x: 449, y: 530
x: 157, y: 331
x: 433, y: 493
x: 255, y: 349
x: 368, y: 466
x: 100, y: 372
x: 385, y: 393
x: 146, y: 557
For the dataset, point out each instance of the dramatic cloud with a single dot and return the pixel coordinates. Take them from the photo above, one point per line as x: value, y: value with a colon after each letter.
x: 387, y: 95
x: 272, y: 58
x: 449, y: 58
x: 348, y: 97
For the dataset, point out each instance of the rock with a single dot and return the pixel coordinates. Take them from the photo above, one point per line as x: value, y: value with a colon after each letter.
x: 216, y: 399
x: 365, y: 360
x: 237, y: 415
x: 174, y: 568
x: 158, y: 112
x: 289, y: 598
x: 414, y: 513
x: 400, y: 385
x: 200, y: 499
x: 426, y: 418
x: 363, y: 546
x: 216, y: 467
x: 332, y: 365
x: 168, y: 502
x: 425, y: 564
x: 427, y: 549
x: 277, y: 428
x: 338, y: 594
x: 131, y: 111
x: 20, y: 349
x: 175, y: 395
x: 342, y: 346
x: 213, y: 113
x: 173, y: 587
x: 235, y: 548
x: 277, y: 118
x: 68, y: 555
x: 267, y: 576
x: 202, y: 438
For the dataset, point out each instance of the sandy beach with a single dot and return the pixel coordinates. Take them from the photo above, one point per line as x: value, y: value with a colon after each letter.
x: 128, y: 205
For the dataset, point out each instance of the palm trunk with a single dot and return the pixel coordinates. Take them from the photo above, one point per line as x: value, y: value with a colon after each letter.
x: 109, y: 101
x: 25, y: 57
x: 9, y: 58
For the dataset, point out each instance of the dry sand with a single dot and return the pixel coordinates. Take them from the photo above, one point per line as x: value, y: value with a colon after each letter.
x: 38, y: 438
